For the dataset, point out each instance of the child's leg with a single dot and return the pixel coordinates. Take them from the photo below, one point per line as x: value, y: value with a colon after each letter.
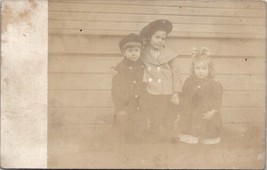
x: 186, y: 128
x: 137, y: 126
x: 154, y: 125
x: 184, y: 124
x: 212, y: 130
x: 166, y: 115
x: 167, y: 122
x: 152, y: 108
x: 120, y: 127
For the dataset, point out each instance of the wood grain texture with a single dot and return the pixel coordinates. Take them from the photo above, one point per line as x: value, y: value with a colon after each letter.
x: 88, y: 32
x: 183, y: 46
x: 158, y: 10
x: 139, y: 18
x: 238, y: 4
x: 191, y: 18
x: 80, y: 98
x: 98, y: 65
x: 135, y: 27
x: 91, y: 81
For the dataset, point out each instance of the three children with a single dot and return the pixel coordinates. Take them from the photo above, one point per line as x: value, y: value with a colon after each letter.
x: 148, y: 86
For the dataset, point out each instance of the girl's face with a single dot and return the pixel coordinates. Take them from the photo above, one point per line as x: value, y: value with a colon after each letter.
x: 158, y: 40
x: 201, y: 69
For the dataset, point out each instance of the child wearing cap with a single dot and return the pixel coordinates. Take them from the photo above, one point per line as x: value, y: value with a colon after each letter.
x: 162, y: 76
x: 128, y: 88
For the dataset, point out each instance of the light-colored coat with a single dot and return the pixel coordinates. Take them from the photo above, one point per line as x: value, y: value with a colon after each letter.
x: 161, y: 74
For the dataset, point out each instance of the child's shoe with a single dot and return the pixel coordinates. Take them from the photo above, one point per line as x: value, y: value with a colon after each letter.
x: 188, y: 139
x: 211, y: 141
x: 192, y: 140
x: 183, y: 138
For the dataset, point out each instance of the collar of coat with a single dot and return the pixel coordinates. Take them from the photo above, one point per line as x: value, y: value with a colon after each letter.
x: 166, y: 55
x: 201, y: 81
x: 126, y: 62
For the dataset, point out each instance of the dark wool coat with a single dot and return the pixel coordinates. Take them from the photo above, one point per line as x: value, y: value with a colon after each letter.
x: 128, y: 86
x: 128, y: 89
x: 199, y: 97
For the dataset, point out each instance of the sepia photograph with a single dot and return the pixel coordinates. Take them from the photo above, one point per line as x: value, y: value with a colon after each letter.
x: 143, y: 84
x: 156, y: 84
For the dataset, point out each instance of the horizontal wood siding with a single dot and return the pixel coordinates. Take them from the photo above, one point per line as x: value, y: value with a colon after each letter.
x: 156, y: 10
x: 83, y: 45
x: 102, y: 65
x: 83, y: 81
x: 108, y: 46
x: 191, y: 18
x: 245, y: 4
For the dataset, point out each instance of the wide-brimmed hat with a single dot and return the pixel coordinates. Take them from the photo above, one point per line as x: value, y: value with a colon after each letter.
x: 130, y: 38
x: 157, y: 25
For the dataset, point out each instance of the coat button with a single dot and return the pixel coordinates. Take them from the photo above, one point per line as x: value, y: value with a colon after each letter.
x: 158, y: 68
x: 150, y: 79
x: 137, y: 108
x: 159, y: 80
x: 198, y: 86
x: 134, y: 82
x: 130, y: 67
x: 136, y: 96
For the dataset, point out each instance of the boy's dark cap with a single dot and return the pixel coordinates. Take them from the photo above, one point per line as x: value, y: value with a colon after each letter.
x: 157, y: 25
x: 130, y: 38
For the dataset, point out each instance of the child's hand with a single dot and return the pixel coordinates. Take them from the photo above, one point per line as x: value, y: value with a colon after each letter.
x: 122, y: 116
x: 175, y: 99
x: 209, y: 114
x: 113, y: 72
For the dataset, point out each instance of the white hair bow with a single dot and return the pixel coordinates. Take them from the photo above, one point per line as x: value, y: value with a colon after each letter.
x: 203, y: 51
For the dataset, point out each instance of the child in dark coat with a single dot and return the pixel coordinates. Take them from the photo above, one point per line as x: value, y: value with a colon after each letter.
x: 128, y: 88
x: 201, y: 102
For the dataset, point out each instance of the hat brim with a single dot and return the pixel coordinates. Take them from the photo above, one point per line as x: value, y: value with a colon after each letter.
x: 157, y: 25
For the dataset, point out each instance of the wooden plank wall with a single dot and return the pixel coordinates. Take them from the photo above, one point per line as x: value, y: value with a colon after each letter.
x: 83, y: 45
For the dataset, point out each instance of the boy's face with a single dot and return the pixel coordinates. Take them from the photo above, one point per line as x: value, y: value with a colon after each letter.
x: 201, y: 69
x: 158, y: 40
x: 132, y: 53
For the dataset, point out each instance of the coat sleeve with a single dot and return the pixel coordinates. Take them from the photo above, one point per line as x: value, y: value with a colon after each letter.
x: 118, y: 95
x: 218, y: 96
x: 187, y: 88
x: 177, y: 82
x: 185, y: 104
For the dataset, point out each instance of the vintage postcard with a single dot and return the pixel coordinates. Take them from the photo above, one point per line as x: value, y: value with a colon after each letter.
x: 133, y: 84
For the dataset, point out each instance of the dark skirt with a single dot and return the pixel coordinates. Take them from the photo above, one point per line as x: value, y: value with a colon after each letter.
x: 192, y: 123
x: 159, y: 110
